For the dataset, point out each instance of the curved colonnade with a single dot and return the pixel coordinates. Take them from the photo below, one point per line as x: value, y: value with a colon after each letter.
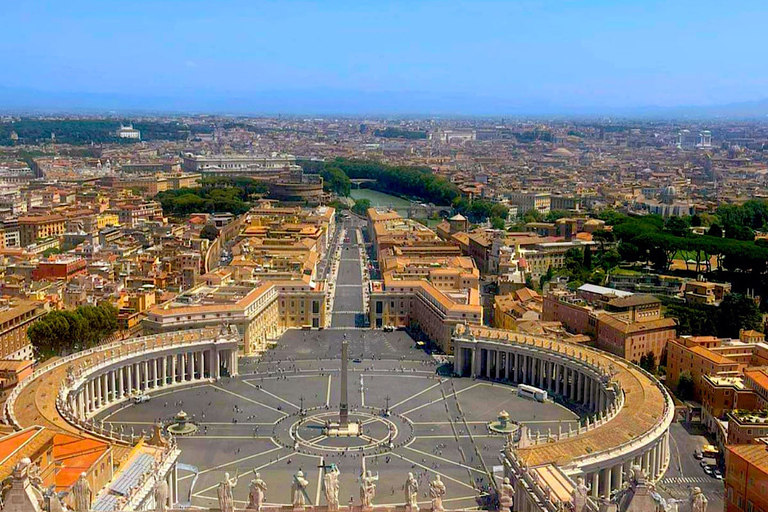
x: 626, y: 411
x: 92, y: 380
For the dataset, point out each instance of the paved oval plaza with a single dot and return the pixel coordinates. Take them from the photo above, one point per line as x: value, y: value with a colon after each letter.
x: 435, y: 425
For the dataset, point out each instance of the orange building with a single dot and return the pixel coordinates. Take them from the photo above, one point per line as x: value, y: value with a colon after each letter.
x: 690, y: 356
x: 59, y: 270
x: 746, y: 477
x: 41, y: 226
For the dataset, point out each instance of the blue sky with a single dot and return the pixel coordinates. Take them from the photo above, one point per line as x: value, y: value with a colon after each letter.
x: 621, y: 53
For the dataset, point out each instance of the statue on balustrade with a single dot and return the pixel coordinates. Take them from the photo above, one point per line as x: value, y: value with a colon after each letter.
x: 580, y: 495
x: 368, y: 489
x: 697, y: 500
x: 83, y: 494
x: 256, y: 492
x: 507, y: 497
x: 331, y: 485
x: 436, y: 493
x: 226, y: 500
x: 411, y: 493
x: 299, y: 496
x: 160, y: 493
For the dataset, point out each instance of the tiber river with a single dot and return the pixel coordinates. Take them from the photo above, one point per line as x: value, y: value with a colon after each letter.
x: 381, y: 199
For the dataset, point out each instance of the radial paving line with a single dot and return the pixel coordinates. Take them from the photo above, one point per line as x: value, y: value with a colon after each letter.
x: 416, y: 394
x: 236, y: 461
x: 273, y: 395
x: 440, y: 400
x: 249, y: 400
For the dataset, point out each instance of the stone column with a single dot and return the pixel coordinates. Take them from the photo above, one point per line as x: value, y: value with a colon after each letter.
x: 97, y: 395
x: 173, y: 368
x: 163, y: 367
x: 487, y: 373
x: 128, y: 369
x: 120, y: 383
x: 616, y: 477
x: 201, y: 372
x: 113, y: 383
x: 595, y: 484
x: 473, y: 364
x: 606, y: 483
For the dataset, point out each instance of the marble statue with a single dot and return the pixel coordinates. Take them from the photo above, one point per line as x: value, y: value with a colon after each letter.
x: 411, y: 493
x: 226, y: 501
x: 299, y: 497
x: 580, y: 495
x: 256, y: 492
x: 83, y: 494
x: 506, y: 498
x: 160, y: 493
x: 331, y: 485
x: 368, y: 489
x: 697, y: 500
x: 436, y: 493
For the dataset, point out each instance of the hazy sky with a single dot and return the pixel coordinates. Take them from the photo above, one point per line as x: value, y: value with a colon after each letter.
x: 616, y: 53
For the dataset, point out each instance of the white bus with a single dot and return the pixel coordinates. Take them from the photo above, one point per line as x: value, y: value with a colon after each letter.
x: 531, y: 392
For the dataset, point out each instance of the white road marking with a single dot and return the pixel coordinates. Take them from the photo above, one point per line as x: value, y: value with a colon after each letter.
x: 272, y: 395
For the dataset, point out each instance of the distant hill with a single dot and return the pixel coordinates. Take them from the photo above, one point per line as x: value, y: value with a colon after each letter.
x: 347, y: 102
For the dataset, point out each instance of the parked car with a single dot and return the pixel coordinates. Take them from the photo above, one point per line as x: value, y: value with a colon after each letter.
x: 697, y: 455
x: 717, y: 474
x: 140, y: 398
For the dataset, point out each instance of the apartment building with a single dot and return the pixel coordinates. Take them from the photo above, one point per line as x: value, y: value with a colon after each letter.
x: 32, y: 228
x: 426, y: 284
x: 260, y: 310
x: 525, y: 201
x: 746, y: 477
x: 15, y: 319
x: 510, y: 310
x: 624, y: 324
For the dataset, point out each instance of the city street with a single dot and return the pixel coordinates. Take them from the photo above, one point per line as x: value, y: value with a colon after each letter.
x: 685, y: 471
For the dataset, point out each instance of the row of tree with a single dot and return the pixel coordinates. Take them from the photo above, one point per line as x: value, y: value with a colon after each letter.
x: 214, y: 195
x: 403, y: 180
x: 64, y: 332
x: 85, y: 131
x: 650, y: 239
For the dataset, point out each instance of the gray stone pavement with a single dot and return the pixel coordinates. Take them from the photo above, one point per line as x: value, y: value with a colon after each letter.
x: 244, y: 419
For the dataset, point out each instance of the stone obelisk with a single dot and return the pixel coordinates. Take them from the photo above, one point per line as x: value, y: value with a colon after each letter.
x: 343, y: 406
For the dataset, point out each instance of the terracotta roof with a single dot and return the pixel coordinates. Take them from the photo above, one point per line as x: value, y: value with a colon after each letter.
x: 759, y: 377
x: 755, y: 454
x: 643, y: 407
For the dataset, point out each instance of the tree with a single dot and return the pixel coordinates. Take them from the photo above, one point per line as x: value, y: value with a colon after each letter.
x: 335, y: 180
x: 497, y: 223
x: 715, y: 230
x: 209, y: 232
x: 603, y: 237
x: 533, y: 215
x: 696, y: 220
x: 63, y: 332
x: 738, y: 312
x: 677, y: 226
x: 587, y: 258
x: 361, y: 206
x: 685, y: 386
x: 648, y: 362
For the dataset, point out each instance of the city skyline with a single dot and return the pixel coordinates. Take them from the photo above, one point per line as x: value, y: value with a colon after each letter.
x: 481, y: 58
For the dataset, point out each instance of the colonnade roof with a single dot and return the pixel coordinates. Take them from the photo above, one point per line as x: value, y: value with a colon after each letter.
x: 36, y: 405
x: 644, y: 405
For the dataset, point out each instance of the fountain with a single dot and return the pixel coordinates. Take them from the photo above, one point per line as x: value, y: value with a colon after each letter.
x: 181, y: 426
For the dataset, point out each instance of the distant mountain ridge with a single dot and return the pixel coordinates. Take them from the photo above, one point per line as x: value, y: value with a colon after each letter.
x: 346, y: 102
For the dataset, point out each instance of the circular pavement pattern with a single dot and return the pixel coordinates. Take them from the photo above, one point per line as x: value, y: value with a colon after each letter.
x: 254, y: 421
